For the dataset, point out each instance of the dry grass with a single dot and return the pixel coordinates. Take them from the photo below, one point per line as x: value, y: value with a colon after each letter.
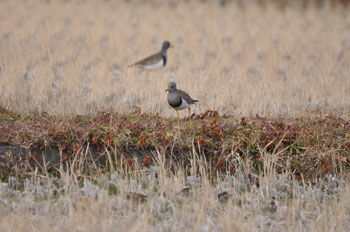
x: 100, y: 182
x: 173, y: 201
x: 71, y: 57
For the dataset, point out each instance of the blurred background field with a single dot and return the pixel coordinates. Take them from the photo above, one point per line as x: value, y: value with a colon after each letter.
x: 272, y: 58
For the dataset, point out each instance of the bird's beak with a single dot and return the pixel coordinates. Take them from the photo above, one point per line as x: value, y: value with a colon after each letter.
x: 168, y: 89
x: 171, y: 46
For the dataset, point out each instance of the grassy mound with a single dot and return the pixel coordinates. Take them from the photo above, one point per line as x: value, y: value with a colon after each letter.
x: 308, y: 147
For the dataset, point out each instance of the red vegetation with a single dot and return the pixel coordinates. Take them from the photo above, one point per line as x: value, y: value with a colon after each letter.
x: 312, y: 146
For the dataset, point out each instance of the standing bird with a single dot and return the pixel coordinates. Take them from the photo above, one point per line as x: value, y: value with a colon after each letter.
x: 179, y: 100
x: 155, y: 61
x: 273, y: 205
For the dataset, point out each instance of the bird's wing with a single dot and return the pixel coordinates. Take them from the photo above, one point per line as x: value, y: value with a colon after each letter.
x: 152, y: 59
x: 186, y: 97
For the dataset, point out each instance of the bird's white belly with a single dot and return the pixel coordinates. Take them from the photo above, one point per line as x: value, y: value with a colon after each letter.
x: 183, y: 105
x: 158, y: 65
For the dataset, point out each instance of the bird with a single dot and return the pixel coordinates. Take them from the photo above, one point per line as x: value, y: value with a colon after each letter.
x: 273, y: 205
x: 223, y: 196
x: 253, y: 180
x: 155, y: 61
x: 179, y: 100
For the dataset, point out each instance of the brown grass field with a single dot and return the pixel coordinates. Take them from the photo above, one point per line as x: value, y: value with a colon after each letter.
x: 71, y: 57
x: 88, y: 144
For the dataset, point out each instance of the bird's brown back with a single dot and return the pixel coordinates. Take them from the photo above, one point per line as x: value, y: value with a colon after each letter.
x: 186, y: 97
x: 152, y: 59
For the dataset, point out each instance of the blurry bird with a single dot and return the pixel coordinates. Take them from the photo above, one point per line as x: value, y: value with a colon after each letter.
x: 253, y: 180
x: 273, y: 205
x: 155, y: 61
x: 179, y: 100
x: 185, y: 190
x: 223, y: 196
x: 135, y: 196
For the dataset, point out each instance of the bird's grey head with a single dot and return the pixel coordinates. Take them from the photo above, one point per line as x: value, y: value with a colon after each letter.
x: 171, y: 87
x: 165, y: 46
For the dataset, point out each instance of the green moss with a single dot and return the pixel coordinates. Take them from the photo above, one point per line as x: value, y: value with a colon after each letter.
x: 113, y: 190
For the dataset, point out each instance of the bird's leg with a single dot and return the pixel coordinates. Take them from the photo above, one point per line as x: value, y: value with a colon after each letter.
x: 178, y: 119
x: 189, y: 115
